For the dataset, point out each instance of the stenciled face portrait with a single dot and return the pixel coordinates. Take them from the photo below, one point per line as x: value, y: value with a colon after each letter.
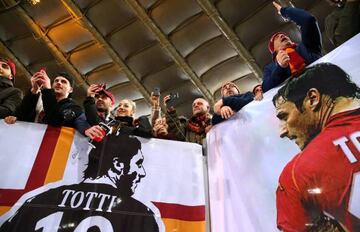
x: 125, y: 108
x: 296, y: 125
x: 200, y: 106
x: 5, y: 70
x: 62, y: 86
x: 103, y: 102
x: 129, y: 179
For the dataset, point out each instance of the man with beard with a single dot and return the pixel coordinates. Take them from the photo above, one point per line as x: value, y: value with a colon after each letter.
x: 319, y: 188
x: 98, y: 104
x: 231, y: 102
x: 101, y: 202
x: 288, y: 57
x: 193, y: 130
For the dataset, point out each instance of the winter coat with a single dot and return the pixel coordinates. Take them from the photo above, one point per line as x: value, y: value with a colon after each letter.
x: 309, y: 48
x: 10, y: 98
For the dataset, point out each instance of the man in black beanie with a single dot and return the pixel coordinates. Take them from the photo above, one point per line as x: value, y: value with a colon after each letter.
x: 58, y: 107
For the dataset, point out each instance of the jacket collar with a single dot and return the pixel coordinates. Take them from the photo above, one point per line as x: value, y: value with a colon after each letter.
x: 6, y: 82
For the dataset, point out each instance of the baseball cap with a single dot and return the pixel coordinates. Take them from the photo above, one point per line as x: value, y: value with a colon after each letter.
x: 109, y: 94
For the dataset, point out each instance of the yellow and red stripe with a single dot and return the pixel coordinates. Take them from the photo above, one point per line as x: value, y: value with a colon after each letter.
x: 48, y: 167
x: 182, y: 218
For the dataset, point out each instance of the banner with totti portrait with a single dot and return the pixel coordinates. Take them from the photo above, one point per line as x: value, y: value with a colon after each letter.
x: 291, y: 162
x: 53, y: 180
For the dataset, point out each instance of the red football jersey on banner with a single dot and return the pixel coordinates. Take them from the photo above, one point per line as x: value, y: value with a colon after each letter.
x: 321, y: 178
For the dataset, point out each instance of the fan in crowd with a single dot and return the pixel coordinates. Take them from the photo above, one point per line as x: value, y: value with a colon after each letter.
x: 10, y: 97
x: 58, y: 108
x: 290, y: 58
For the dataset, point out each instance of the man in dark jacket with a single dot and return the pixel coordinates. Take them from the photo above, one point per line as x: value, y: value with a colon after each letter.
x: 344, y: 22
x: 98, y: 104
x: 230, y: 103
x: 10, y: 97
x: 290, y: 58
x: 58, y: 107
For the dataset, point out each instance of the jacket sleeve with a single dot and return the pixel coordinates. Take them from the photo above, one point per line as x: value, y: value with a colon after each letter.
x: 274, y: 75
x: 91, y: 112
x: 11, y: 103
x: 309, y: 28
x: 216, y: 119
x: 51, y: 108
x: 81, y: 124
x: 144, y: 128
x: 237, y: 102
x: 347, y: 24
x: 176, y: 128
x: 27, y: 110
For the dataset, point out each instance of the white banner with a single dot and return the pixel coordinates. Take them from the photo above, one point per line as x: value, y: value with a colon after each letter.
x: 47, y: 182
x: 246, y: 157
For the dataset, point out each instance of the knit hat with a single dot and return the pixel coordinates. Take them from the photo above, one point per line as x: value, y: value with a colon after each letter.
x: 67, y: 77
x: 109, y: 94
x: 253, y: 91
x: 271, y: 41
x: 12, y: 67
x: 229, y: 82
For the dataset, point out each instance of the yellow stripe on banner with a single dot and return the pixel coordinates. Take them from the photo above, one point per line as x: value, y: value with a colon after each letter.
x: 175, y: 225
x: 4, y: 209
x: 60, y: 155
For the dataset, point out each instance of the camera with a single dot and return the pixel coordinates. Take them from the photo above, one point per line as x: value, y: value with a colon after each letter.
x: 156, y: 91
x: 173, y: 98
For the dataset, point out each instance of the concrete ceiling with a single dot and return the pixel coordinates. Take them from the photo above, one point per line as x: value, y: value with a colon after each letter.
x: 185, y: 46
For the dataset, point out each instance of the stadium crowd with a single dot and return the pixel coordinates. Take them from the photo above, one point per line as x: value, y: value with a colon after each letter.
x: 51, y: 103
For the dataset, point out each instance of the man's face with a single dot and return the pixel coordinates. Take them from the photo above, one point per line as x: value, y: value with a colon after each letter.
x: 128, y: 181
x: 281, y: 42
x: 295, y: 125
x: 125, y: 108
x: 103, y: 102
x: 200, y: 106
x: 229, y: 89
x: 62, y: 86
x: 5, y: 70
x: 136, y: 170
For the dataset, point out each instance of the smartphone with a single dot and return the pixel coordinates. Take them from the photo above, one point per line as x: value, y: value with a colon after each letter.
x: 42, y: 69
x: 102, y: 86
x: 172, y: 100
x: 156, y: 91
x: 174, y: 96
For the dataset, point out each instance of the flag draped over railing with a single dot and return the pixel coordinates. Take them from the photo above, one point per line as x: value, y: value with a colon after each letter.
x: 37, y: 161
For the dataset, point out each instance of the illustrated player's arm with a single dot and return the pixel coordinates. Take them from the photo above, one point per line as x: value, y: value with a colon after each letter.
x: 291, y: 215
